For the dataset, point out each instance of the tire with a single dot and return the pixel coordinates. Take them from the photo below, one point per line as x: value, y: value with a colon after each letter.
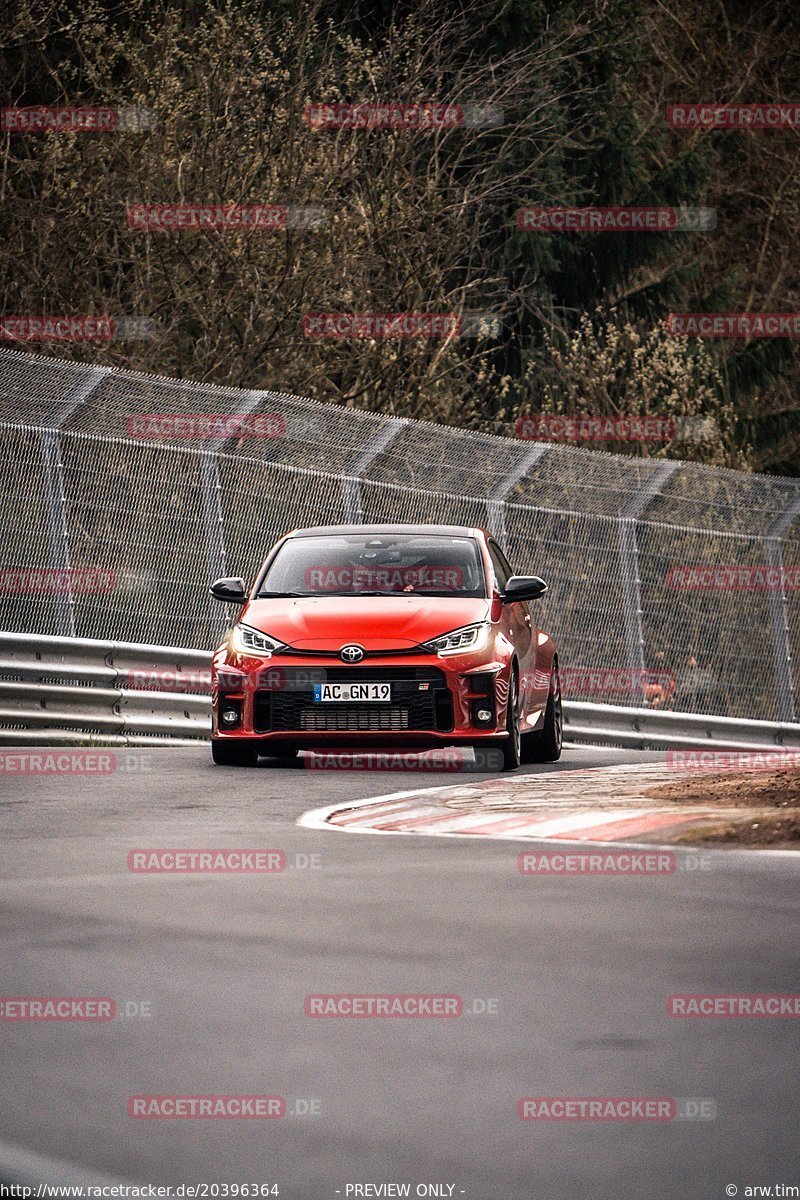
x: 229, y: 753
x: 512, y: 746
x: 545, y: 744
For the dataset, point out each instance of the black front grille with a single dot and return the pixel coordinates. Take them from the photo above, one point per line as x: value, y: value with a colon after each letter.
x: 353, y: 717
x: 292, y: 708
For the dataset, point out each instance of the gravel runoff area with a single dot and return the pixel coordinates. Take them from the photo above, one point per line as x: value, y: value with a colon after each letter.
x: 769, y: 803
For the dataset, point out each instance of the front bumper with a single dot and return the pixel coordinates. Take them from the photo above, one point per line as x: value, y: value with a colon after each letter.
x: 435, y: 701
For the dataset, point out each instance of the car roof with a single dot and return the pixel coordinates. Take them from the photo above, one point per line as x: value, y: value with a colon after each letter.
x: 334, y: 530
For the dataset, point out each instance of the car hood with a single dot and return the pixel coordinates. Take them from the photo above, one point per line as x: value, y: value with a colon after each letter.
x: 374, y: 622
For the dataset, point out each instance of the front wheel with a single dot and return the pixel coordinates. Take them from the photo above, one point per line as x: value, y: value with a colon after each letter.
x: 512, y: 746
x: 230, y: 752
x: 545, y: 744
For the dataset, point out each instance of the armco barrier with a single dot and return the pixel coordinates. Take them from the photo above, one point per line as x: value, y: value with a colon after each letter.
x: 55, y: 690
x: 640, y: 729
x: 65, y: 690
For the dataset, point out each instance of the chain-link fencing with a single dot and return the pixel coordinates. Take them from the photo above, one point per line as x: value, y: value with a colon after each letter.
x: 125, y: 494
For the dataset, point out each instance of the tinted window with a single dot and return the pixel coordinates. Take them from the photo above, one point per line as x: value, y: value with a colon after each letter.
x: 360, y: 564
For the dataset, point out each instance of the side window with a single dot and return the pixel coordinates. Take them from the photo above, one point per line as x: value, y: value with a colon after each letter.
x: 501, y: 566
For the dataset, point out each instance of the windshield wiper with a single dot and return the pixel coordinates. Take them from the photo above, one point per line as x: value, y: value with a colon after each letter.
x: 324, y: 593
x: 282, y: 595
x: 410, y: 592
x: 373, y: 593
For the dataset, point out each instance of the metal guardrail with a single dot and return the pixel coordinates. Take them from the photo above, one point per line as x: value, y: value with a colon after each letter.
x: 649, y: 729
x: 65, y: 690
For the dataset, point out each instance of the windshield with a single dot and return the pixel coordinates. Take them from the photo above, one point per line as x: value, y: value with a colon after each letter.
x: 376, y: 564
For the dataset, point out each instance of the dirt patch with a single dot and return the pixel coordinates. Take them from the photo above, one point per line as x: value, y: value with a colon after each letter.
x: 767, y: 831
x: 775, y: 795
x: 733, y: 789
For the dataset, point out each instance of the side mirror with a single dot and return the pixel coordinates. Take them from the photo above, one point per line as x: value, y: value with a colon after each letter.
x: 523, y: 587
x: 232, y: 591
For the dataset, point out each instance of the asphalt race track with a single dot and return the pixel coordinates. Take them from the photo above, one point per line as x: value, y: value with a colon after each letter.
x: 580, y: 969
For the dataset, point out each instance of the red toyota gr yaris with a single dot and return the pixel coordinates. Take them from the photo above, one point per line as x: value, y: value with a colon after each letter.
x: 368, y: 636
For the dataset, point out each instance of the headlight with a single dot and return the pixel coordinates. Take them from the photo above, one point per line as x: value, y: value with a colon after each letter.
x: 252, y: 641
x: 470, y: 637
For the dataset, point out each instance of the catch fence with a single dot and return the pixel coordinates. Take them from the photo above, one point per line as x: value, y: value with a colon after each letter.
x: 118, y: 510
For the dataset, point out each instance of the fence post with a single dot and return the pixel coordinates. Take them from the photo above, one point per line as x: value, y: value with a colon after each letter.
x: 631, y: 581
x: 56, y: 498
x: 353, y: 506
x: 781, y: 645
x: 214, y: 533
x: 214, y: 516
x: 496, y: 501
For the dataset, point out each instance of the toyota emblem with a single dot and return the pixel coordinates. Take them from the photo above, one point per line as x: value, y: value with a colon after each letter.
x: 351, y: 654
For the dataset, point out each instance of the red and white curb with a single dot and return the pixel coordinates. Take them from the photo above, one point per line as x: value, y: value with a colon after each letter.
x: 598, y: 804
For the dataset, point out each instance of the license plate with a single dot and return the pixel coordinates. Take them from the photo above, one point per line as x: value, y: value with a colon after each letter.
x: 354, y: 693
